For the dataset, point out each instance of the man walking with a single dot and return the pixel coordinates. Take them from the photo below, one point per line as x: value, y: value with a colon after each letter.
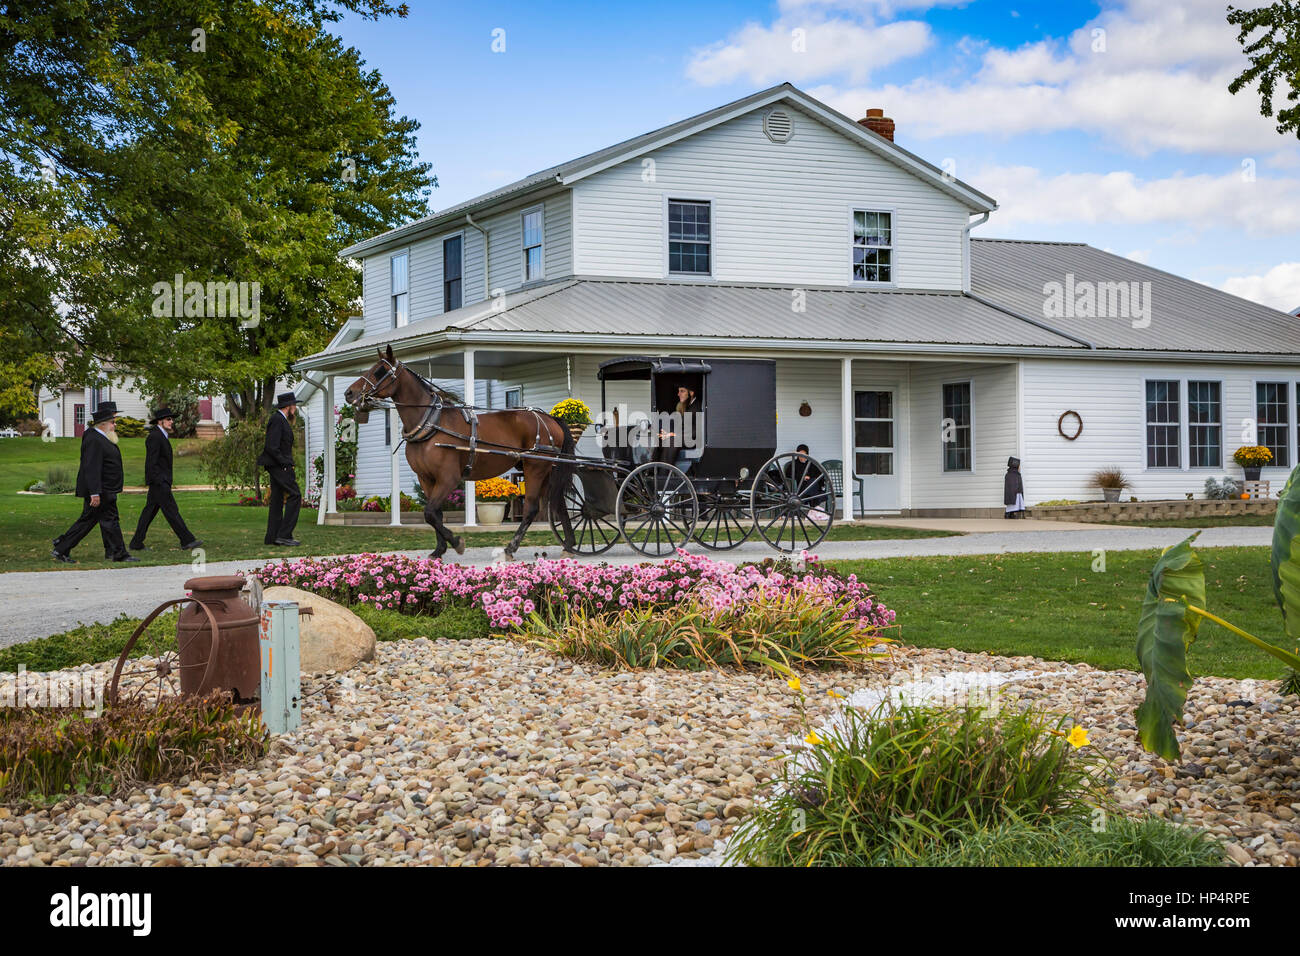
x: 158, y: 476
x: 99, y: 482
x: 277, y: 459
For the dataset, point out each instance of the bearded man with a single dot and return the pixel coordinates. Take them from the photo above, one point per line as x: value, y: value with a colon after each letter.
x: 99, y: 482
x: 277, y: 459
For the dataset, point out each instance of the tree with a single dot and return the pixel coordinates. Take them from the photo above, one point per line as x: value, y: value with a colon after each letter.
x: 1274, y: 57
x: 224, y: 142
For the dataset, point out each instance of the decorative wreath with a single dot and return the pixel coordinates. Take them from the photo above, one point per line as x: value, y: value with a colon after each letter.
x: 1078, y: 425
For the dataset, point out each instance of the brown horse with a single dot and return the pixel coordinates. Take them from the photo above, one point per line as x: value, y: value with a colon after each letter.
x: 439, y: 441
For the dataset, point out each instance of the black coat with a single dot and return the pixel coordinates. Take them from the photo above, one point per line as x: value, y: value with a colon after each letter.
x: 100, y: 472
x: 1012, y: 485
x: 277, y: 452
x: 157, y: 458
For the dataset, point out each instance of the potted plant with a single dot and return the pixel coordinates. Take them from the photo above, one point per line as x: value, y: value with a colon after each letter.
x: 493, y: 496
x: 1252, y: 458
x: 1111, y: 481
x: 574, y: 414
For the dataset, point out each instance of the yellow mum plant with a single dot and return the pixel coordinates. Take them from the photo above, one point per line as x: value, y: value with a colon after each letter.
x: 1252, y: 456
x: 572, y: 411
x: 496, y: 489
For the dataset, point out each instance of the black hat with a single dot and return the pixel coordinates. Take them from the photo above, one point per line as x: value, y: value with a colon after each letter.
x: 104, y: 412
x: 285, y: 399
x: 1013, y: 462
x: 160, y: 413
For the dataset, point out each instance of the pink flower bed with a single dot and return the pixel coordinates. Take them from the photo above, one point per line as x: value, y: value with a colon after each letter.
x: 509, y: 592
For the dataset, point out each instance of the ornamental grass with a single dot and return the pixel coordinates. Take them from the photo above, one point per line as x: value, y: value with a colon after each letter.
x: 910, y: 780
x: 770, y: 631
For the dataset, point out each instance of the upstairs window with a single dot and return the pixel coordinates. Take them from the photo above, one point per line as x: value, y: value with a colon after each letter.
x: 1163, y: 425
x: 690, y: 238
x: 1205, y: 424
x: 451, y: 273
x: 957, y: 427
x: 1273, y: 420
x: 532, y: 253
x: 873, y: 246
x: 400, y: 290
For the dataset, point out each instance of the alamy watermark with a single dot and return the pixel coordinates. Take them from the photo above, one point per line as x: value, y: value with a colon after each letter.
x: 82, y: 690
x: 210, y: 300
x: 1084, y: 299
x: 643, y: 430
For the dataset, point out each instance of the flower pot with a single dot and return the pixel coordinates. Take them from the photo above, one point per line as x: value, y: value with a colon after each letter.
x: 491, y: 512
x: 576, y: 431
x: 1252, y: 474
x: 1111, y: 494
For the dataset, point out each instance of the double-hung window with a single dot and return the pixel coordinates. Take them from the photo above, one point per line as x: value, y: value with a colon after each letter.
x: 690, y: 237
x: 873, y: 246
x: 1273, y: 420
x: 451, y: 272
x: 957, y: 427
x: 532, y: 252
x: 399, y: 267
x: 1205, y: 424
x: 1163, y: 424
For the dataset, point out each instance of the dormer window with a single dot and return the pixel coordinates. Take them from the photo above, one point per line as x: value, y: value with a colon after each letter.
x: 873, y: 246
x: 690, y: 237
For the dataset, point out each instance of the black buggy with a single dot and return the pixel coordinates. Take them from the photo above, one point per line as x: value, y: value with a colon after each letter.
x: 727, y: 484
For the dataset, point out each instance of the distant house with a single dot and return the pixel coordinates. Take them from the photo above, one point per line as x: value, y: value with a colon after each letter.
x: 775, y: 227
x: 64, y: 411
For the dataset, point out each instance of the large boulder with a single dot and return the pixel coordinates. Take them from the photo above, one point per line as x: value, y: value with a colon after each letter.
x: 331, y: 638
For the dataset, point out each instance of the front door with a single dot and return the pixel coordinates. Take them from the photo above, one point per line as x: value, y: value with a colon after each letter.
x: 78, y: 420
x: 875, y: 456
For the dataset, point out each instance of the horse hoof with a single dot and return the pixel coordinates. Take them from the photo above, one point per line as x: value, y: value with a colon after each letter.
x: 459, y: 545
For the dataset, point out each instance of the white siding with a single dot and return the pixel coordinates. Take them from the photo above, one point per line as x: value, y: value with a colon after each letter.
x: 781, y: 213
x: 994, y: 439
x: 1111, y: 399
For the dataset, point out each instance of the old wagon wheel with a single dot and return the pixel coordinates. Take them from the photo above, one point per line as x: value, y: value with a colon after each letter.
x: 724, y: 520
x: 590, y: 516
x: 657, y: 508
x: 792, y: 502
x: 158, y: 677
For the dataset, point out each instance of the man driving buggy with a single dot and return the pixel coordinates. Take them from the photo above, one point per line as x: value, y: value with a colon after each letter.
x: 687, y: 421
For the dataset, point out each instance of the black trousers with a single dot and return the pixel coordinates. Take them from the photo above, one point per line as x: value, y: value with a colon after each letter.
x: 110, y: 528
x: 284, y: 501
x: 161, y: 499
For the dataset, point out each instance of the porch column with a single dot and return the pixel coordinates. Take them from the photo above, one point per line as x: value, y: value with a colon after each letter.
x: 471, y: 516
x: 331, y: 479
x: 395, y: 471
x: 846, y: 434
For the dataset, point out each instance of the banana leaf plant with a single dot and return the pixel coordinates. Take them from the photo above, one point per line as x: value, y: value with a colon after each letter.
x: 1174, y: 607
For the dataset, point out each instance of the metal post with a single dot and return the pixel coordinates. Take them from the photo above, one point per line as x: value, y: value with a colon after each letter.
x: 281, y: 678
x: 846, y: 435
x: 471, y: 515
x: 331, y: 450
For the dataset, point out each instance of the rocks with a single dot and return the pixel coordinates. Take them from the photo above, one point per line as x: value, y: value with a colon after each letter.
x: 331, y: 638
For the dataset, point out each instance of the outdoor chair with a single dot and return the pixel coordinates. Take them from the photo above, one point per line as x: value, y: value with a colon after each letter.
x: 835, y: 468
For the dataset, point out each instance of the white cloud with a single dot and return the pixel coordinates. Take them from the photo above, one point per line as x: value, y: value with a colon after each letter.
x: 1203, y: 203
x: 799, y: 50
x: 1278, y: 287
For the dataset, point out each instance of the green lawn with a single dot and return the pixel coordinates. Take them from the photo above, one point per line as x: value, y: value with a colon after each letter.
x: 1055, y: 607
x: 22, y: 459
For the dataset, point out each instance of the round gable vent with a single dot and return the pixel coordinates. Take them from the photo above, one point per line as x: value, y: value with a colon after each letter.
x: 778, y: 125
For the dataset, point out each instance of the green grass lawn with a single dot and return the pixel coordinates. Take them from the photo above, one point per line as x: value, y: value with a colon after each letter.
x: 22, y: 459
x: 1054, y: 606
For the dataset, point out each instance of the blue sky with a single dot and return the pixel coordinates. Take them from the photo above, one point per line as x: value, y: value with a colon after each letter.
x: 1106, y: 123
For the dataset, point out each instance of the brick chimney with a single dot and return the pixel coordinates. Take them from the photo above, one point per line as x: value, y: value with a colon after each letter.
x: 878, y: 122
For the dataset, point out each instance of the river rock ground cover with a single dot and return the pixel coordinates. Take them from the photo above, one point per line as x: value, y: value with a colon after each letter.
x: 483, y: 752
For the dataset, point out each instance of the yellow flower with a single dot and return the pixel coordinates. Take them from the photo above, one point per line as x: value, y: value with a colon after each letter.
x: 812, y: 738
x: 1078, y: 737
x: 836, y: 696
x: 793, y: 683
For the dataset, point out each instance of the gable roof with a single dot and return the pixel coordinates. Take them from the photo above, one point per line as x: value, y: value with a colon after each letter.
x: 565, y: 174
x: 1185, y: 316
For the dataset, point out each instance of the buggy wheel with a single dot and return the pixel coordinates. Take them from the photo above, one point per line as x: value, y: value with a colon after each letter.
x: 149, y: 667
x: 722, y: 525
x: 594, y: 528
x: 657, y: 509
x: 792, y: 503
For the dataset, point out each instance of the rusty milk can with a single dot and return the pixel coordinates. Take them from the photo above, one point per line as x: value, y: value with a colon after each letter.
x: 238, y: 662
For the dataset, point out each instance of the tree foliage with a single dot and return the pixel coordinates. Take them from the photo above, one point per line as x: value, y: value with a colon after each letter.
x: 1274, y: 56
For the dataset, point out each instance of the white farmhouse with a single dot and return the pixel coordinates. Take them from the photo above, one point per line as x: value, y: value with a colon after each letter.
x: 775, y: 227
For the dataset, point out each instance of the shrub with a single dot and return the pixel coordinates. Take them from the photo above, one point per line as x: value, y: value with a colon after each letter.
x: 185, y: 408
x: 46, y: 752
x: 59, y: 480
x: 34, y: 485
x: 128, y: 427
x: 1110, y: 477
x: 230, y: 462
x: 509, y: 592
x: 910, y: 779
x: 773, y: 631
x: 345, y: 450
x: 453, y: 623
x: 88, y: 644
x: 1069, y: 841
x: 1222, y: 490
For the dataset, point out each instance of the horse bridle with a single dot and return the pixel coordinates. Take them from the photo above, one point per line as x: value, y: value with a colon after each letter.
x: 366, y: 398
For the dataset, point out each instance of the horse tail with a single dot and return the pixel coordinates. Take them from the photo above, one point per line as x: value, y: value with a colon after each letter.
x: 563, y: 472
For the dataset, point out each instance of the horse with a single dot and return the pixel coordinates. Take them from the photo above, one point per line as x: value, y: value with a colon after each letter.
x: 447, y: 441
